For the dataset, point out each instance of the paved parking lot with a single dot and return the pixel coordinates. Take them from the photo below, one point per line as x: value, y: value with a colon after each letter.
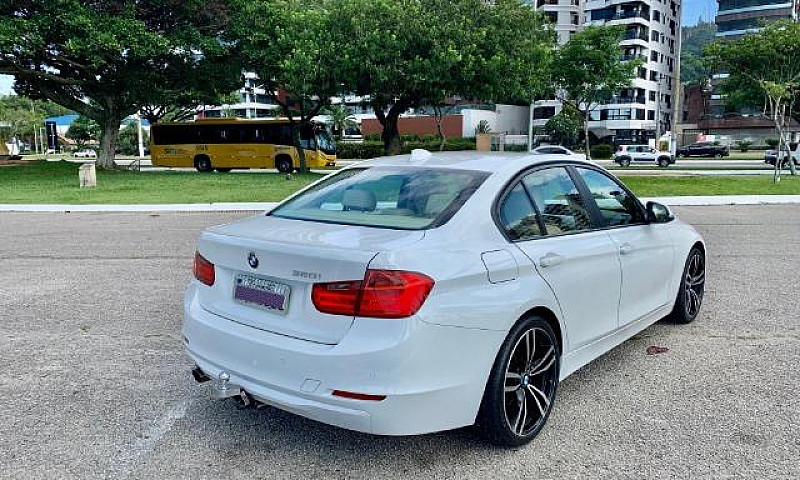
x: 93, y: 383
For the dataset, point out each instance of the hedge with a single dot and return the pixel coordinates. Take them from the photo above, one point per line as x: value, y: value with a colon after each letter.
x: 602, y: 151
x: 372, y: 149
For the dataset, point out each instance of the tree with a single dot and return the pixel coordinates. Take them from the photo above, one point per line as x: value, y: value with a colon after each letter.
x: 564, y: 128
x: 288, y: 44
x: 341, y: 119
x: 83, y: 130
x: 407, y: 53
x: 129, y: 139
x: 589, y: 71
x: 25, y: 116
x: 764, y: 70
x: 106, y: 59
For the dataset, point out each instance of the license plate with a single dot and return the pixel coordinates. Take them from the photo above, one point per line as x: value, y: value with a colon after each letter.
x: 262, y: 293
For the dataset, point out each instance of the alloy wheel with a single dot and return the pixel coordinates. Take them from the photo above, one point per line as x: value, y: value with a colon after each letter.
x: 530, y: 381
x: 694, y: 284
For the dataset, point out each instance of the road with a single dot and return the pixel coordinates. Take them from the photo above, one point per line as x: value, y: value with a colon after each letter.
x: 94, y: 384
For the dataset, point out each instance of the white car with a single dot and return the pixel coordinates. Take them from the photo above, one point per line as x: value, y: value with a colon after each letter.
x: 627, y: 154
x: 421, y: 293
x: 85, y: 153
x: 556, y: 150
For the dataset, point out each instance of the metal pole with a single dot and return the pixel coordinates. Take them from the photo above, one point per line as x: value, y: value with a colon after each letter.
x: 530, y: 127
x: 139, y: 130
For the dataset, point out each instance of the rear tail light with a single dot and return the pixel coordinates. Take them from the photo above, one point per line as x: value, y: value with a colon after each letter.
x: 382, y: 294
x: 203, y: 270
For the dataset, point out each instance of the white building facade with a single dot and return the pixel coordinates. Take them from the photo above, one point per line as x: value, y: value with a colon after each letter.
x: 645, y: 111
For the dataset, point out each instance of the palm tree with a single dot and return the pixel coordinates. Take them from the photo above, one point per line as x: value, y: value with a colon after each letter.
x: 341, y: 119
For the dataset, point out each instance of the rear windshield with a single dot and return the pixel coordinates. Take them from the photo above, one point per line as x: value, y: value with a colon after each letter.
x: 405, y: 198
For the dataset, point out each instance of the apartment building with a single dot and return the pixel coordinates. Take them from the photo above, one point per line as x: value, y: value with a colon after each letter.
x: 645, y: 111
x: 740, y: 17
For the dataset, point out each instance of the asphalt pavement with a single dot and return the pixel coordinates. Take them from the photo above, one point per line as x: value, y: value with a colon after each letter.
x: 94, y: 383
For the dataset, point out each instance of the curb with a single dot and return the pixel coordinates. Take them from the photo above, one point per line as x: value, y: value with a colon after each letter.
x: 688, y: 201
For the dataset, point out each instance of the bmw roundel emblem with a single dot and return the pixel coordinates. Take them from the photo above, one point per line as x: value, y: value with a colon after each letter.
x: 252, y: 259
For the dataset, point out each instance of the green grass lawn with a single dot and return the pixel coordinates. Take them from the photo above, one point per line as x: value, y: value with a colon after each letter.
x: 662, y: 186
x: 57, y: 182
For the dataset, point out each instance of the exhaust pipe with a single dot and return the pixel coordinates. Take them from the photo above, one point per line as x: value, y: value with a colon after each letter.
x: 199, y: 375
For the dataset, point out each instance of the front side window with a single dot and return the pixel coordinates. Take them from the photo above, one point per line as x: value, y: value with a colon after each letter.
x: 406, y: 198
x: 559, y: 201
x: 617, y: 207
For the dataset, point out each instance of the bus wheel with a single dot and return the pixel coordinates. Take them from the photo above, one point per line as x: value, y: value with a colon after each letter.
x: 284, y: 165
x: 224, y: 170
x: 202, y: 163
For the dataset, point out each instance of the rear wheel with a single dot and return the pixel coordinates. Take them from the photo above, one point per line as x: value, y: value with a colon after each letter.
x: 202, y: 163
x: 284, y: 164
x: 692, y: 289
x: 663, y: 162
x: 522, y: 386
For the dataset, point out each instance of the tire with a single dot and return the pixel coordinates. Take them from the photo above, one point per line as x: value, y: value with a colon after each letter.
x: 513, y: 414
x: 202, y: 163
x: 692, y: 288
x: 224, y: 170
x: 663, y: 162
x: 625, y: 162
x: 284, y: 165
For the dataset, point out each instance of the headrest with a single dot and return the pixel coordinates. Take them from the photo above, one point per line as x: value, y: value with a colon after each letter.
x: 359, y: 200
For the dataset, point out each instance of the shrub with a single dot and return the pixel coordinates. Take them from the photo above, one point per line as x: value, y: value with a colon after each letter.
x: 372, y: 149
x: 773, y: 144
x: 602, y: 151
x: 744, y: 145
x: 359, y: 151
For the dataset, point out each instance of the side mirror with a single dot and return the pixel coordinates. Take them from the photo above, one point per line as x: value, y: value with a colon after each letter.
x: 658, y: 213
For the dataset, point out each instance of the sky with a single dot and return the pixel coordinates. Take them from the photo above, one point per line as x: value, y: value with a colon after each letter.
x: 695, y: 9
x: 692, y: 11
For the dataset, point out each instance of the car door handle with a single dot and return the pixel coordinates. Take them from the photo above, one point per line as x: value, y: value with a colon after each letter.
x: 625, y: 249
x: 550, y: 259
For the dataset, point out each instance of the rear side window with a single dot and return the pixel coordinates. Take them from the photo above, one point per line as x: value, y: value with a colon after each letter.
x: 518, y: 215
x: 404, y: 198
x: 560, y: 203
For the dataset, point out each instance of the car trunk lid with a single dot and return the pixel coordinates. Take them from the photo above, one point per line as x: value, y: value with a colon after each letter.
x: 290, y: 256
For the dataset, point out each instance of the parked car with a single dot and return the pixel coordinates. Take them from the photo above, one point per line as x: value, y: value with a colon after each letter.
x: 704, y: 149
x: 554, y: 150
x: 85, y: 153
x: 627, y: 154
x: 771, y: 156
x: 421, y: 293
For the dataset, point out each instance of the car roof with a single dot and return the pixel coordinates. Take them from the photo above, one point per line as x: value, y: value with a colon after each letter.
x: 492, y: 162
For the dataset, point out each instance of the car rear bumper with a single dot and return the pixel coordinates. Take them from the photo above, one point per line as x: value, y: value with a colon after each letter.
x: 432, y: 376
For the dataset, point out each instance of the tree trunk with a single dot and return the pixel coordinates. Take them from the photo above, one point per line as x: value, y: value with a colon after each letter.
x: 108, y: 142
x: 298, y: 145
x: 392, y: 143
x: 437, y: 110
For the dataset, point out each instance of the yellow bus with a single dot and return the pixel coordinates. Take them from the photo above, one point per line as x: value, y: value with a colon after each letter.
x: 225, y: 144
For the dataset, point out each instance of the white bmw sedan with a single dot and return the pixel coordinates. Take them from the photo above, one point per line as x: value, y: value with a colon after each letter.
x: 421, y: 293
